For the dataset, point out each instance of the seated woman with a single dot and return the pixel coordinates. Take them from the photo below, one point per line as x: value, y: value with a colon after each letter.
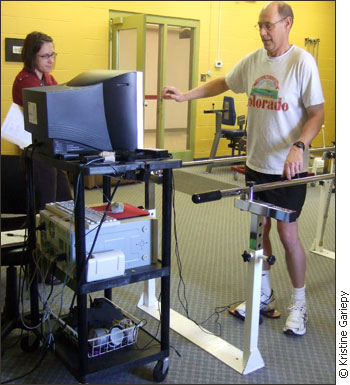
x: 50, y: 184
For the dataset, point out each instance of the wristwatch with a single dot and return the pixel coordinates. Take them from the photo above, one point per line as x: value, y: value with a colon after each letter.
x: 300, y: 145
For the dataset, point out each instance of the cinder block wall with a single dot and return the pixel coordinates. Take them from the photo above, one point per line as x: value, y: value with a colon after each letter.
x: 80, y: 30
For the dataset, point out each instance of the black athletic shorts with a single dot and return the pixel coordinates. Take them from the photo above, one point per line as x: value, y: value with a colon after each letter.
x: 291, y: 198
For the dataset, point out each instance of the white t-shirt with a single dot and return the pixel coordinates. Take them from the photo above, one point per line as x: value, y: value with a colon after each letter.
x: 279, y: 90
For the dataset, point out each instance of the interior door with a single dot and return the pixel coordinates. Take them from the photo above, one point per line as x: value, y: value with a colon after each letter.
x: 140, y: 42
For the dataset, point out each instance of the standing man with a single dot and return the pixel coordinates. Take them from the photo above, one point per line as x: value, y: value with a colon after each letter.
x: 285, y: 113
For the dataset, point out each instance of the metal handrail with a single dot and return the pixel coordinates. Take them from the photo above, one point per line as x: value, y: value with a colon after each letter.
x: 218, y: 194
x: 243, y: 158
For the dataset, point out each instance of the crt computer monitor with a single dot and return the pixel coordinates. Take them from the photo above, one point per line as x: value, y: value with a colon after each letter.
x: 66, y: 121
x: 99, y: 110
x: 123, y: 102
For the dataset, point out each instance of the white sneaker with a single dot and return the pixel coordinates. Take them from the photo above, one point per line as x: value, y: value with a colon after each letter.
x: 296, y: 321
x: 267, y: 308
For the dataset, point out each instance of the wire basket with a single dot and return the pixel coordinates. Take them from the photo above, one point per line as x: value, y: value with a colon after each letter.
x: 120, y: 335
x: 100, y: 341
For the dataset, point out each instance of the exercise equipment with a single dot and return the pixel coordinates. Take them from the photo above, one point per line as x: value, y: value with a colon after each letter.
x: 249, y: 359
x: 239, y: 159
x: 325, y: 198
x: 218, y: 194
x: 311, y: 45
x: 227, y: 115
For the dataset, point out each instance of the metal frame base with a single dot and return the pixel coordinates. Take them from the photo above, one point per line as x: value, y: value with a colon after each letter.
x: 244, y: 362
x: 216, y: 346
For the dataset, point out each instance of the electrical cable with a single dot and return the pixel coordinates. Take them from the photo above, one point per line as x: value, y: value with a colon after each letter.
x: 69, y: 263
x: 45, y: 318
x: 45, y: 350
x: 67, y: 275
x: 184, y: 302
x: 29, y: 194
x: 18, y: 339
x: 92, y: 246
x: 148, y: 344
x: 47, y: 310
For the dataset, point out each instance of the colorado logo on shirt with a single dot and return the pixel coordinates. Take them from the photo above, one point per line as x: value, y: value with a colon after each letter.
x: 264, y: 94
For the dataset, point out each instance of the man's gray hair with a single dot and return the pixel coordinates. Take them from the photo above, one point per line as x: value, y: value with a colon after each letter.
x: 285, y: 10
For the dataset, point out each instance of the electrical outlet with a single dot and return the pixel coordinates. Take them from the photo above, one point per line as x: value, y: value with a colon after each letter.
x: 203, y: 77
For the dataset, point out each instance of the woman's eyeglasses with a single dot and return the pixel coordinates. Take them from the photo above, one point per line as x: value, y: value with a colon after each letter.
x: 47, y: 56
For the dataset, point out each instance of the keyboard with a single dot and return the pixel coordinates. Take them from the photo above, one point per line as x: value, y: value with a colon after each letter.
x: 92, y: 217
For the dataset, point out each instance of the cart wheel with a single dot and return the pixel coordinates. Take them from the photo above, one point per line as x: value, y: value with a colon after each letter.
x: 29, y: 345
x: 158, y: 374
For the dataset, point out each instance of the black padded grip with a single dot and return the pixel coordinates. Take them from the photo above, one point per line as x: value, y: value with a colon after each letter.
x: 207, y: 197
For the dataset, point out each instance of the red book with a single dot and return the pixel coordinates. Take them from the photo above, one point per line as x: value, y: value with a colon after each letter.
x: 129, y: 211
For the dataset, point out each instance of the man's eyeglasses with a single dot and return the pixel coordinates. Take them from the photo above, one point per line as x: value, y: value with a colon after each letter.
x: 267, y: 26
x: 47, y: 57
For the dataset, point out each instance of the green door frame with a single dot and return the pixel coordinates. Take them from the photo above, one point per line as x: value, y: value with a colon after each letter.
x: 120, y: 21
x: 137, y: 22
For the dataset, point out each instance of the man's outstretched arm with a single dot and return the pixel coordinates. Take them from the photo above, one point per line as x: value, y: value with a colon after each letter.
x: 213, y: 88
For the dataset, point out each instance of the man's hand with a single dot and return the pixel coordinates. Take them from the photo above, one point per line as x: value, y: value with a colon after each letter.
x: 294, y: 163
x: 172, y: 93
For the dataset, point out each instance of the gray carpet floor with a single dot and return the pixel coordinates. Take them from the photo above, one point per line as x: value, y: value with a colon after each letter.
x: 211, y: 239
